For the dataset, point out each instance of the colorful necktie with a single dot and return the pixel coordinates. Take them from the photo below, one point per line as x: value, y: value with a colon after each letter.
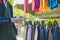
x: 26, y: 6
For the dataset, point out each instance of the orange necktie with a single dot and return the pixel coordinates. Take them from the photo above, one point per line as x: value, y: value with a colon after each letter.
x: 45, y: 4
x: 41, y: 6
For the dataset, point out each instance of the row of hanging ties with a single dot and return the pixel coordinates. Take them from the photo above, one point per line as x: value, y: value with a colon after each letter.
x: 40, y: 32
x: 52, y: 30
x: 50, y: 33
x: 40, y: 5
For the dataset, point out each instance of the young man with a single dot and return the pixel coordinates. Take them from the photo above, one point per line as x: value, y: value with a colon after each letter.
x: 7, y: 27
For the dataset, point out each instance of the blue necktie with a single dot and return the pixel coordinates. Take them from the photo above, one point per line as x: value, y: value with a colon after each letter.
x: 44, y: 33
x: 55, y: 33
x: 53, y: 3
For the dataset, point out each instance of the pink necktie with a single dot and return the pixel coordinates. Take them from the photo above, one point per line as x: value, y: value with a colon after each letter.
x: 33, y: 5
x: 50, y: 34
x: 26, y: 6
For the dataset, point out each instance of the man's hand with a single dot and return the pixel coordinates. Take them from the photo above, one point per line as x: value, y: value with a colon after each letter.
x: 16, y: 20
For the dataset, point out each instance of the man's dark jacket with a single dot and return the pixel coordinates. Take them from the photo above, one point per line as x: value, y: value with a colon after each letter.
x: 7, y: 28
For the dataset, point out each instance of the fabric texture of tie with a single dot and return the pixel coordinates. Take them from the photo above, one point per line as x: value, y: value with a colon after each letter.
x: 26, y: 8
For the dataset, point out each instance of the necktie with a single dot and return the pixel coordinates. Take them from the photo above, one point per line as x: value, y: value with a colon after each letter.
x: 36, y: 33
x: 41, y: 6
x: 46, y: 34
x: 33, y: 32
x: 37, y: 5
x: 50, y: 34
x: 25, y: 33
x: 43, y: 33
x: 26, y: 6
x: 45, y: 4
x: 40, y: 34
x: 53, y: 4
x: 55, y: 33
x: 59, y: 33
x: 33, y: 5
x: 29, y: 35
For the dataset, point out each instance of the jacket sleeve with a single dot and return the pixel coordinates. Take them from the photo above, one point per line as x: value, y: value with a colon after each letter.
x: 5, y: 20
